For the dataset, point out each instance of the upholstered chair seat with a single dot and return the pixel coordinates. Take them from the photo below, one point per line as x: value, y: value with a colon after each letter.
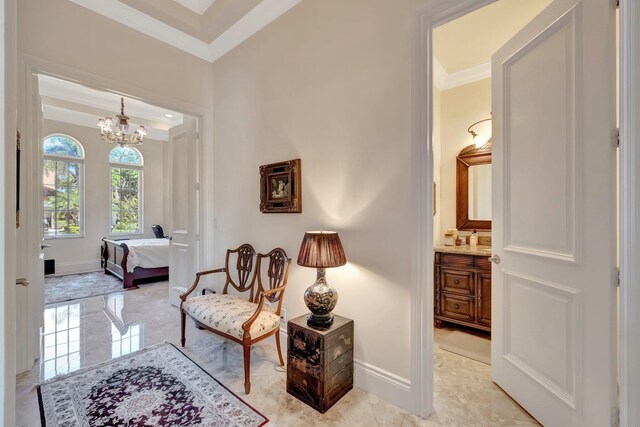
x: 243, y: 320
x: 227, y: 314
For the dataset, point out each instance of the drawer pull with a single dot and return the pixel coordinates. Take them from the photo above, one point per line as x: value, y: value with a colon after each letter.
x: 456, y: 306
x: 456, y: 281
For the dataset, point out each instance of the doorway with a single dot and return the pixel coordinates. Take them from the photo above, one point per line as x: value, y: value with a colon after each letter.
x: 462, y: 50
x: 569, y: 291
x: 65, y: 106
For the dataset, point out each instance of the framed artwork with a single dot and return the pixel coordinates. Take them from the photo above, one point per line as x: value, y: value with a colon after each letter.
x: 280, y: 189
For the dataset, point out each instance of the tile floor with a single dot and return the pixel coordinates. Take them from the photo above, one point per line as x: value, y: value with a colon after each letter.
x: 88, y: 331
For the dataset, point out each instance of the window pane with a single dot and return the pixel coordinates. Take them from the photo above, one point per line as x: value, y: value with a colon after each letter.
x: 74, y: 174
x: 62, y: 173
x: 49, y: 223
x: 125, y: 197
x: 60, y: 145
x: 49, y: 176
x: 129, y: 178
x: 61, y: 197
x: 73, y: 221
x: 125, y: 155
x: 74, y: 198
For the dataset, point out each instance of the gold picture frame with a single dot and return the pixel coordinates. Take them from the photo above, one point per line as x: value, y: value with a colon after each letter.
x: 280, y: 189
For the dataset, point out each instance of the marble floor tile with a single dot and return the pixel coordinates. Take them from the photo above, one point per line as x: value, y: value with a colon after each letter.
x: 88, y: 331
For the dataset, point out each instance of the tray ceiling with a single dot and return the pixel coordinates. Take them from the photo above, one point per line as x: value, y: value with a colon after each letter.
x: 205, y: 28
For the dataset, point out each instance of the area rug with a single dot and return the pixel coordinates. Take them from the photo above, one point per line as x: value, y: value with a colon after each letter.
x: 74, y: 286
x: 468, y: 345
x: 159, y: 386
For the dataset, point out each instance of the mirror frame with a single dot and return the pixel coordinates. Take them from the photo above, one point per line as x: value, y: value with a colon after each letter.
x: 469, y: 156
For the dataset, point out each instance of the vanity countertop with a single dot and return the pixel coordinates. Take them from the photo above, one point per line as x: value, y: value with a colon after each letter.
x: 465, y: 249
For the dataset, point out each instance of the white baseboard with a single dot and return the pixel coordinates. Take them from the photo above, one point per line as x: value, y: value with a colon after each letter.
x: 383, y: 384
x: 77, y: 267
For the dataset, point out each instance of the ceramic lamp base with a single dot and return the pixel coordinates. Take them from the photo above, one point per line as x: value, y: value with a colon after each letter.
x: 320, y: 299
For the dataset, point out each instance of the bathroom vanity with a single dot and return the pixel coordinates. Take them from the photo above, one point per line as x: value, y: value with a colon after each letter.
x: 462, y: 277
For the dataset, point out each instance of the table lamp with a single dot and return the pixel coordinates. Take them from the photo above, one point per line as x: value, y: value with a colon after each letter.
x: 320, y: 250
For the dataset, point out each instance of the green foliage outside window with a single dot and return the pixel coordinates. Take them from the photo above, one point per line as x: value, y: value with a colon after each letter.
x: 125, y: 191
x: 61, y: 183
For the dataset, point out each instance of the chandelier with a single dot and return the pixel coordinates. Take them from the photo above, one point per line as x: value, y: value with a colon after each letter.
x: 119, y: 134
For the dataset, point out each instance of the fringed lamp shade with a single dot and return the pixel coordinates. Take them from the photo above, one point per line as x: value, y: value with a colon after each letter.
x: 321, y: 249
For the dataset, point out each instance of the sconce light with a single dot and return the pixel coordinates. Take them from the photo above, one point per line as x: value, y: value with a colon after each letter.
x: 479, y: 139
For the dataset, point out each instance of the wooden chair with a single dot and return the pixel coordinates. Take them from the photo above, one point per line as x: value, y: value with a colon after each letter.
x: 245, y: 321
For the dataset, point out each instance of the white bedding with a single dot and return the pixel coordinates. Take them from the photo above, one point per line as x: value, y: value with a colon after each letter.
x: 147, y: 253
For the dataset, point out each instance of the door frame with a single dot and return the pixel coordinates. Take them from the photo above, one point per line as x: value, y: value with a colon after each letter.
x: 629, y: 316
x: 29, y: 65
x: 8, y: 77
x: 439, y: 12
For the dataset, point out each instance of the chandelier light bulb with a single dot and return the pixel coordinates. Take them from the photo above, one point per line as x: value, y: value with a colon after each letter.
x: 119, y: 135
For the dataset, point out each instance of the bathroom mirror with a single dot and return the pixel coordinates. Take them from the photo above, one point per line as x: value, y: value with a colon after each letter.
x: 473, y: 188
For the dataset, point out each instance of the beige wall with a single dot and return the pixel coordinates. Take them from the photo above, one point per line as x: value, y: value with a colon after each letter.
x: 70, y: 35
x: 459, y: 107
x: 80, y: 254
x: 328, y: 82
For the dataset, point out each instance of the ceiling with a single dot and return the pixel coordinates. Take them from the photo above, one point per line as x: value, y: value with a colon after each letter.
x: 463, y: 47
x: 197, y: 6
x: 210, y: 28
x: 205, y: 28
x: 76, y: 104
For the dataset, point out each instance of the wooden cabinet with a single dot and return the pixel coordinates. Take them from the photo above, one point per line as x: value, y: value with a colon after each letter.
x: 319, y: 362
x: 462, y: 290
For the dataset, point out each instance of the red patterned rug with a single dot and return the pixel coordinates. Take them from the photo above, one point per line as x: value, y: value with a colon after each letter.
x: 159, y: 386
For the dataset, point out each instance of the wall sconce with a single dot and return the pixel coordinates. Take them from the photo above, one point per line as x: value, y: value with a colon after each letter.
x: 479, y: 139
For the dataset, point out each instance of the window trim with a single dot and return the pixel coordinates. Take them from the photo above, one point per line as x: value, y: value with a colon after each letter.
x: 140, y: 168
x: 81, y: 184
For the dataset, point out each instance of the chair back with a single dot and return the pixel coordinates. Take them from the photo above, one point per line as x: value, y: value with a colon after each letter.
x: 158, y: 231
x: 272, y: 271
x: 239, y: 266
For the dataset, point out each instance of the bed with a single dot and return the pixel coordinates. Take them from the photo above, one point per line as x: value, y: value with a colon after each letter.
x: 135, y: 259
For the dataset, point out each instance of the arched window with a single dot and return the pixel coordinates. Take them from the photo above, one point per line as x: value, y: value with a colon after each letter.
x: 126, y: 190
x: 62, y: 186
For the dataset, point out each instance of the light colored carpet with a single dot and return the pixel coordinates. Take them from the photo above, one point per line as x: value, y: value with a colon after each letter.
x: 468, y: 345
x: 159, y: 386
x: 74, y: 286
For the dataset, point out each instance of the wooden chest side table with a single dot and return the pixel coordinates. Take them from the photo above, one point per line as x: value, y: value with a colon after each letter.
x: 319, y: 362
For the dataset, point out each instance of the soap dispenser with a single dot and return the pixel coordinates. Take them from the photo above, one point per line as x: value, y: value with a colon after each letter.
x: 473, y: 239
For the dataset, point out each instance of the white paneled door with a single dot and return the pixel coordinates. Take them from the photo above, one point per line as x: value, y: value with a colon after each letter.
x: 553, y: 339
x: 183, y: 140
x: 30, y: 244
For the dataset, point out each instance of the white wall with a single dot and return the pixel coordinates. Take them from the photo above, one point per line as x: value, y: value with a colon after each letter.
x: 459, y: 107
x: 70, y: 35
x: 75, y: 255
x: 328, y: 82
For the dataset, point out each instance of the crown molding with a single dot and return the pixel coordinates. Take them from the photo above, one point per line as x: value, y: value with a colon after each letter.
x: 141, y: 22
x: 58, y: 114
x: 444, y: 81
x: 197, y: 6
x: 257, y: 18
x: 86, y: 98
x: 440, y: 75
